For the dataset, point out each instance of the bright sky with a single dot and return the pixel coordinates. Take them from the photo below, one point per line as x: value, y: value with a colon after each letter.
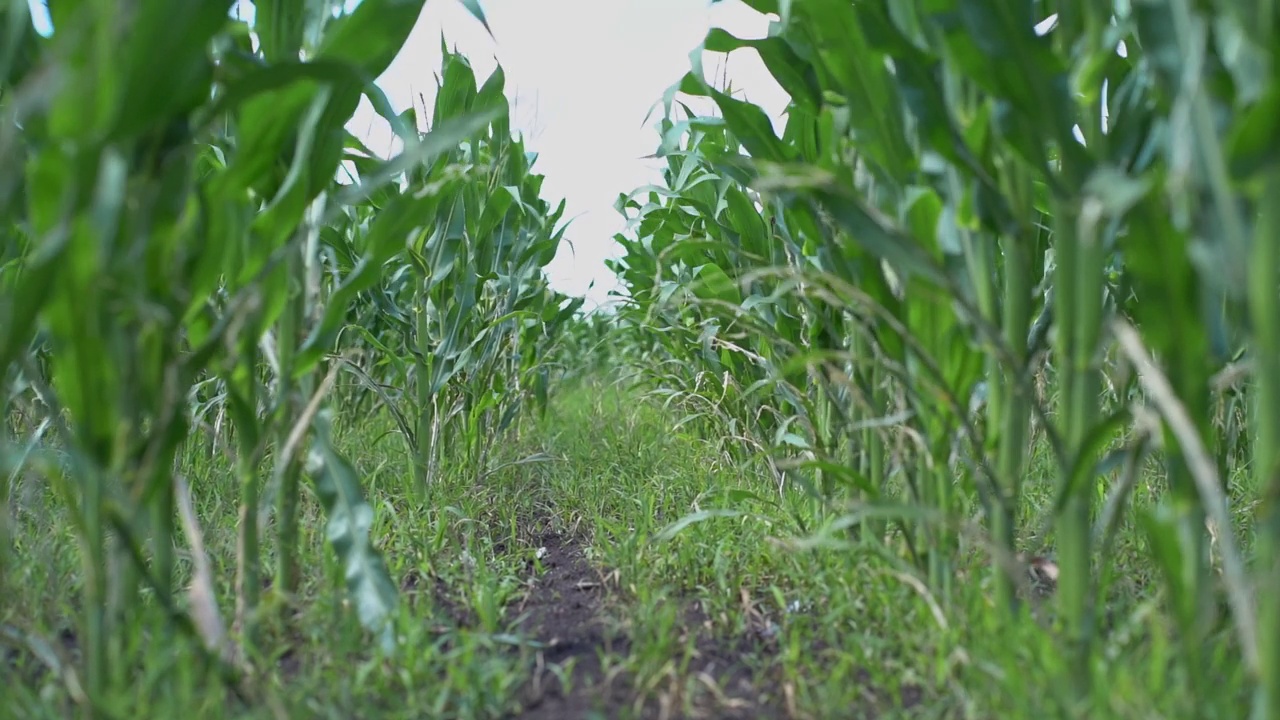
x: 581, y: 75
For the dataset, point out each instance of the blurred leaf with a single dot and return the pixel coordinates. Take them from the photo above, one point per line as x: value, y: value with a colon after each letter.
x: 372, y: 36
x: 1251, y: 144
x: 180, y: 34
x: 347, y: 528
x: 675, y: 528
x: 281, y: 26
x: 473, y: 7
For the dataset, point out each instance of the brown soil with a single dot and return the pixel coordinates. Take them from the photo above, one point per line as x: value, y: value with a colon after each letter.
x: 565, y: 612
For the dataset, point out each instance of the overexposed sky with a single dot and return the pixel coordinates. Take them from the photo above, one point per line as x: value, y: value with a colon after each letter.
x: 581, y: 75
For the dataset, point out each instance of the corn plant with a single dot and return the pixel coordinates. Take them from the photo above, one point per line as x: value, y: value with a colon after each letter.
x: 971, y: 202
x: 178, y: 248
x: 460, y: 320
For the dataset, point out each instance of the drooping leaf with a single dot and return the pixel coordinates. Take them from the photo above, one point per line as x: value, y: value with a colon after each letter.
x: 349, y: 520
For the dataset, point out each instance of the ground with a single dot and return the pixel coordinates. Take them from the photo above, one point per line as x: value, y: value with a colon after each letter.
x: 566, y: 587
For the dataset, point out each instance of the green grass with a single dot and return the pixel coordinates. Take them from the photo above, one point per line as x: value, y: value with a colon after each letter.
x: 443, y: 551
x: 822, y: 632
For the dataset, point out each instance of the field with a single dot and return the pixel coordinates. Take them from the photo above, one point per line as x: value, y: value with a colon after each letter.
x: 959, y: 397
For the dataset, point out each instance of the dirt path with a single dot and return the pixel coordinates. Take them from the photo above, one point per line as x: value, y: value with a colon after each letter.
x: 566, y: 612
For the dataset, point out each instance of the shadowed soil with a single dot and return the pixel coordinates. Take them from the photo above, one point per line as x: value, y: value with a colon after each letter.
x: 565, y: 613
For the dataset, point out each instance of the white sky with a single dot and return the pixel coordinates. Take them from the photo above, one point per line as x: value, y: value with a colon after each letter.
x: 581, y: 76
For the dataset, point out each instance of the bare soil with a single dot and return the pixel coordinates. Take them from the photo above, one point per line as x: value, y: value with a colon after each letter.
x: 566, y: 613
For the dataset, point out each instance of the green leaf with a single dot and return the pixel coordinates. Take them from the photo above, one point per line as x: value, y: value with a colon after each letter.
x: 348, y: 525
x: 1251, y: 143
x: 280, y: 25
x: 473, y: 7
x: 180, y: 34
x: 749, y: 123
x: 675, y: 528
x: 372, y: 36
x: 795, y: 75
x: 442, y: 139
x: 865, y: 226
